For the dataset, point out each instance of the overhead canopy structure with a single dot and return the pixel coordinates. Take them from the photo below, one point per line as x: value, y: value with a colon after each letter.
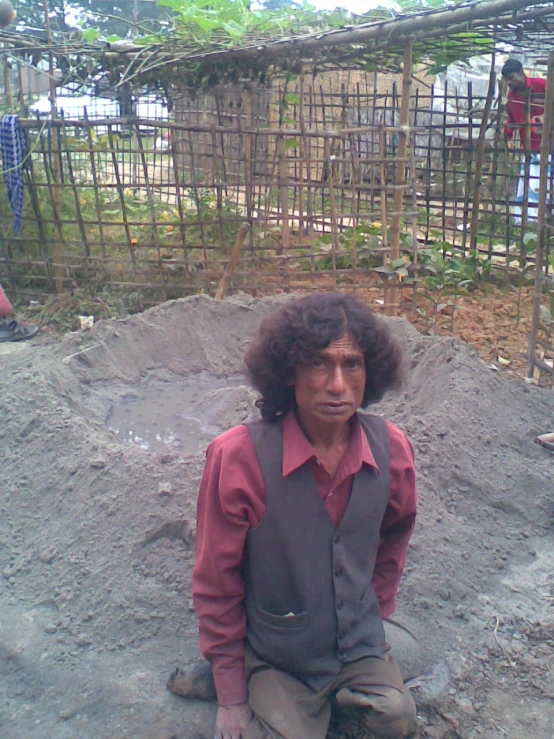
x: 439, y: 37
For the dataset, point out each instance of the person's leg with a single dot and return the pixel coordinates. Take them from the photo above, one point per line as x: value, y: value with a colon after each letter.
x: 283, y: 707
x: 5, y: 306
x: 370, y: 693
x: 11, y: 330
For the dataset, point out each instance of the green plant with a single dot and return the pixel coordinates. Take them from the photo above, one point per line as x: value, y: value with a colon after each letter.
x: 365, y: 241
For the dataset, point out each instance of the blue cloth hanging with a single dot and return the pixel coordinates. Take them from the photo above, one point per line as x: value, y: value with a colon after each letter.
x: 13, y: 144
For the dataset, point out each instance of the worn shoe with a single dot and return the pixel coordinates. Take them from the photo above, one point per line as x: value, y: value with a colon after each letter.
x: 196, y: 683
x: 14, y: 331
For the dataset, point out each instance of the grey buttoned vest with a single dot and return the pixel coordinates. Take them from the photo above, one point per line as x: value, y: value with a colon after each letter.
x: 309, y: 600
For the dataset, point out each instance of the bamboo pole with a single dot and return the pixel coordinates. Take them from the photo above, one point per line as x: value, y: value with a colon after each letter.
x: 396, y: 31
x: 56, y: 192
x: 151, y: 206
x: 76, y: 198
x: 96, y: 183
x: 469, y: 166
x: 284, y: 192
x: 121, y: 194
x: 8, y: 82
x: 333, y: 208
x: 526, y: 139
x: 541, y: 221
x: 391, y: 305
x: 480, y: 156
x: 233, y: 261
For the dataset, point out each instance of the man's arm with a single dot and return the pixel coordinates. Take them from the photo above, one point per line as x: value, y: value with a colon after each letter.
x: 231, y: 500
x: 509, y: 126
x: 398, y: 522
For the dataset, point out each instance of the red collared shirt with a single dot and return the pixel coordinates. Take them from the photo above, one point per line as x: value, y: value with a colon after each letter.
x: 232, y: 499
x: 515, y: 109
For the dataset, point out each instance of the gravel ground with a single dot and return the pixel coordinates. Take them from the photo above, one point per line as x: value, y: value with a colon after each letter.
x: 97, y: 536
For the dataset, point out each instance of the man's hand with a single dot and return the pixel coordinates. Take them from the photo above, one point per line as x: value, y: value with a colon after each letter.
x: 511, y: 144
x: 231, y: 721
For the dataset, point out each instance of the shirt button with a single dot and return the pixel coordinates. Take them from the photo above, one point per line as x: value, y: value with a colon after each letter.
x: 341, y: 635
x: 338, y: 572
x: 339, y: 605
x: 342, y: 656
x: 336, y: 540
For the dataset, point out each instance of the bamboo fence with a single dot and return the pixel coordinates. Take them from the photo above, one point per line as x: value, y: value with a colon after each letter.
x: 334, y: 186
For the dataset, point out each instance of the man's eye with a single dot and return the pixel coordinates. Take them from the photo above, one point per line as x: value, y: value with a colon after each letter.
x: 317, y: 363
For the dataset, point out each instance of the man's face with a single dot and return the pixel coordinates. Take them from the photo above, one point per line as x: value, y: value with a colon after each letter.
x: 330, y: 388
x: 516, y: 81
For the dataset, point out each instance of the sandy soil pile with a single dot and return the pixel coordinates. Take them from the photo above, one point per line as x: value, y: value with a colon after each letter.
x: 97, y: 537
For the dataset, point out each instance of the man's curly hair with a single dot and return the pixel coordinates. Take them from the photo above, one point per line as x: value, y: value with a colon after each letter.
x: 296, y: 333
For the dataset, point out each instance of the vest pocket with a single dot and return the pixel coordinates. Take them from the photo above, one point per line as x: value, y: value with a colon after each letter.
x: 287, y: 621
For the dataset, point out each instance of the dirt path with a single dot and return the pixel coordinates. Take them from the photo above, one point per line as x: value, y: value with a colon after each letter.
x: 97, y: 536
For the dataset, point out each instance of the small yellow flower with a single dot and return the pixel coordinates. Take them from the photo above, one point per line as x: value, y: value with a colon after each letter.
x: 376, y: 224
x: 83, y: 202
x: 133, y: 241
x: 170, y: 229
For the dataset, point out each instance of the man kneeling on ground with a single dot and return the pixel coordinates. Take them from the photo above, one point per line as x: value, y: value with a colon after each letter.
x: 303, y: 522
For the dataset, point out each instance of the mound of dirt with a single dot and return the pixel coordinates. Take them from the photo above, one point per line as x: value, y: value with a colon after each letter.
x: 97, y: 535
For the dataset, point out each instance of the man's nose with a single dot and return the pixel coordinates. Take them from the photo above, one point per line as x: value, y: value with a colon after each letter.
x: 337, y: 384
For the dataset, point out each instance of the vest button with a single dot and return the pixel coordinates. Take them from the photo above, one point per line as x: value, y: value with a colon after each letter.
x: 338, y: 572
x: 339, y: 605
x: 336, y: 540
x: 342, y: 656
x: 341, y: 635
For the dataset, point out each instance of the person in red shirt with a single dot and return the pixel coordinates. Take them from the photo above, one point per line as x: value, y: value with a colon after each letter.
x: 303, y: 523
x: 524, y: 90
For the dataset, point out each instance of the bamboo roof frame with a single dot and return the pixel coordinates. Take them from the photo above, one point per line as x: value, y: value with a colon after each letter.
x: 370, y: 45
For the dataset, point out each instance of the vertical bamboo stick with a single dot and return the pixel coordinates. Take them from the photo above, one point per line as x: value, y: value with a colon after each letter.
x: 284, y: 193
x: 415, y: 243
x: 444, y: 159
x: 429, y: 164
x: 469, y: 165
x: 383, y: 177
x: 248, y: 169
x: 95, y: 183
x: 121, y: 194
x: 150, y: 200
x: 56, y: 195
x: 219, y: 195
x: 302, y: 158
x: 7, y: 81
x: 391, y: 306
x: 76, y: 198
x: 545, y: 155
x: 493, y: 175
x: 480, y: 156
x: 179, y: 198
x: 526, y: 173
x: 194, y: 187
x: 31, y: 178
x: 356, y: 179
x: 333, y: 209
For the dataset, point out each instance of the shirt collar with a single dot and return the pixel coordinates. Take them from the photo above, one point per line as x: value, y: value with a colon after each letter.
x: 297, y: 450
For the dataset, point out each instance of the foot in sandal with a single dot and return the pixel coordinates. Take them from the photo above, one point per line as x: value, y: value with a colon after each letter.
x: 14, y: 331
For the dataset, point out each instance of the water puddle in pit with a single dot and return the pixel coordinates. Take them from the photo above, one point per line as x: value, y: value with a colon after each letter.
x: 180, y: 415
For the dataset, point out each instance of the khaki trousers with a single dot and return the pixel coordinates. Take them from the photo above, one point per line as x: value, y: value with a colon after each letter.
x: 367, y: 695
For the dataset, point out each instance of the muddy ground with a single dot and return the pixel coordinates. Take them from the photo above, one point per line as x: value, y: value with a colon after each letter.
x: 97, y: 534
